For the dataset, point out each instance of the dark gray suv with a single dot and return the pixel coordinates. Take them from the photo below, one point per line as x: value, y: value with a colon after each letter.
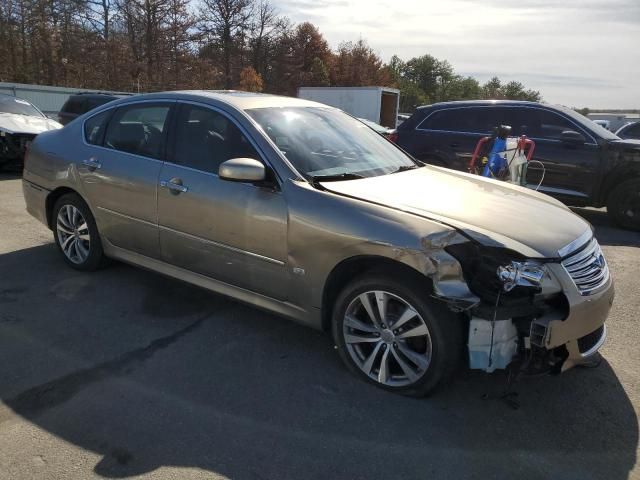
x: 584, y: 164
x: 81, y: 103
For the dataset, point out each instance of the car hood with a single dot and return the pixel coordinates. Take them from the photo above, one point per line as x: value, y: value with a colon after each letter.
x: 14, y: 123
x: 626, y: 144
x: 492, y: 212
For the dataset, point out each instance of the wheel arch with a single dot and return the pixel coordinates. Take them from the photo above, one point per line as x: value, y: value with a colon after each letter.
x: 619, y: 176
x: 51, y: 200
x: 352, y: 267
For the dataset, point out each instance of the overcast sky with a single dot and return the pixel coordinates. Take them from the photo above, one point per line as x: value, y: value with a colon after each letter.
x: 575, y: 52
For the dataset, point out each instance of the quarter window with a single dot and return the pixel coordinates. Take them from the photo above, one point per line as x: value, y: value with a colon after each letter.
x: 138, y: 129
x: 94, y: 127
x: 205, y: 138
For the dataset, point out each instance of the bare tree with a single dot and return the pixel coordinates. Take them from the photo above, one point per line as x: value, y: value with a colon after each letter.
x: 222, y: 21
x: 179, y: 25
x: 100, y: 16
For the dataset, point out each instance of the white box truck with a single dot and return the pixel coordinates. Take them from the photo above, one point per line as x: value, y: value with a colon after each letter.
x: 378, y: 104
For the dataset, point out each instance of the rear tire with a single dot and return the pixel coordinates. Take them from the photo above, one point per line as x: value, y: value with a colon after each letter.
x: 410, y: 348
x: 623, y: 205
x: 76, y: 234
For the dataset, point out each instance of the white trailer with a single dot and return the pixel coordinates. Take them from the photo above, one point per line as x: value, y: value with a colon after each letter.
x: 378, y: 104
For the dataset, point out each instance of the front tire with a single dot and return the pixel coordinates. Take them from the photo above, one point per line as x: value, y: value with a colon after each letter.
x: 391, y: 334
x: 76, y: 234
x: 624, y: 204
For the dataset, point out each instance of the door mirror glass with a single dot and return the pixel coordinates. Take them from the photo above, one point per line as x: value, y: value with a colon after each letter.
x: 572, y: 137
x: 242, y: 170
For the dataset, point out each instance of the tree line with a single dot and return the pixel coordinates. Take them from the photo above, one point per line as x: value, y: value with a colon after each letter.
x: 151, y: 45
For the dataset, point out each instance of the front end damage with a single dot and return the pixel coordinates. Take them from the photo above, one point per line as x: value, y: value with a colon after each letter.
x: 13, y: 147
x: 538, y: 315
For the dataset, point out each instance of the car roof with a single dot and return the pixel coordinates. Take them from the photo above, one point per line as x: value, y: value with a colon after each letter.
x: 476, y: 103
x: 236, y: 98
x: 99, y: 95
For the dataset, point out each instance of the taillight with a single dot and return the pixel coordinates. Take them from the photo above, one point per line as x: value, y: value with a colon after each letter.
x: 393, y: 136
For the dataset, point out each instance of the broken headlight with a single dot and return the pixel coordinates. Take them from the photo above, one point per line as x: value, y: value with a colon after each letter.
x: 489, y: 270
x: 523, y: 274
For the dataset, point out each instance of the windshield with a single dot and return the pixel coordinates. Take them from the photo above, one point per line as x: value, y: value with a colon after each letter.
x: 324, y: 142
x: 19, y: 106
x: 589, y: 124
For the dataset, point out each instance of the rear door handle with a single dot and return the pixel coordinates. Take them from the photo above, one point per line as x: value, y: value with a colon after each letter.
x: 174, y: 185
x: 454, y: 145
x: 92, y: 163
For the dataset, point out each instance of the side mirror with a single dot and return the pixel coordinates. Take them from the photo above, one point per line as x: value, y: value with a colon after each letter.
x: 242, y: 170
x: 571, y: 137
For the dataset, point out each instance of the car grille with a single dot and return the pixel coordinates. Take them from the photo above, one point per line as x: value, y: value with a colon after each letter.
x: 586, y: 343
x: 587, y: 267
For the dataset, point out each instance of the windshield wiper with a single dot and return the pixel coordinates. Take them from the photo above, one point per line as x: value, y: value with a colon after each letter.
x: 404, y: 168
x: 336, y: 177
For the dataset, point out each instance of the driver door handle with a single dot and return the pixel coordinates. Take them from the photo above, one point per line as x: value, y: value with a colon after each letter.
x: 174, y: 186
x: 92, y: 163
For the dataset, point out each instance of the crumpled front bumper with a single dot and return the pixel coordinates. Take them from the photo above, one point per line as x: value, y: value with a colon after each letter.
x: 583, y: 331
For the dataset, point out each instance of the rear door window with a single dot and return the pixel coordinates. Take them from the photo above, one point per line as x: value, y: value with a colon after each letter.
x: 138, y: 129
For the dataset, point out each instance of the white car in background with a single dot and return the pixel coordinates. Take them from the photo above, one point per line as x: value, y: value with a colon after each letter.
x: 604, y: 124
x: 20, y: 122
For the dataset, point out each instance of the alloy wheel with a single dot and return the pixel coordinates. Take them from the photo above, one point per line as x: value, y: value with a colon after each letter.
x: 73, y: 234
x: 387, y: 338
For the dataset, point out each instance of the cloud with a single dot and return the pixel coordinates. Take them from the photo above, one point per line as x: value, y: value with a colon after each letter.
x: 576, y: 52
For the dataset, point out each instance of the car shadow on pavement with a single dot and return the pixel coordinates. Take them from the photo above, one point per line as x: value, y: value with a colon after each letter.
x: 147, y: 372
x: 8, y: 175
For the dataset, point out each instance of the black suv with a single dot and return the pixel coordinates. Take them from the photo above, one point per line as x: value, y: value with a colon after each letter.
x: 585, y: 164
x: 80, y: 103
x: 630, y: 130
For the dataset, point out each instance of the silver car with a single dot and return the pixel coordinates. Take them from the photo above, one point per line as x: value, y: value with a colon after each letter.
x: 302, y: 210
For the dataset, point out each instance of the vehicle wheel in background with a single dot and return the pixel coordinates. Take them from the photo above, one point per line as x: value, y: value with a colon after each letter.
x: 391, y: 334
x: 76, y: 234
x: 624, y: 204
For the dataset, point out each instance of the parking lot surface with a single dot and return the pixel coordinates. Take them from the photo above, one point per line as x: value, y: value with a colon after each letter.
x: 125, y: 373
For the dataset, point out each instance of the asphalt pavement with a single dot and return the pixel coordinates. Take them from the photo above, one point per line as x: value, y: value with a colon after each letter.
x: 124, y: 373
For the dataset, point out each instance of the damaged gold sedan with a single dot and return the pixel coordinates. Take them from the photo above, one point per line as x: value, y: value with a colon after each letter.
x: 300, y: 209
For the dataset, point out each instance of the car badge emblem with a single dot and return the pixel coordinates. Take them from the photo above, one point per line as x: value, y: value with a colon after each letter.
x: 598, y: 261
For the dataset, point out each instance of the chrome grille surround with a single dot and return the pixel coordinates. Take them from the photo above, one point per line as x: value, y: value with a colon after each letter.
x: 587, y: 267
